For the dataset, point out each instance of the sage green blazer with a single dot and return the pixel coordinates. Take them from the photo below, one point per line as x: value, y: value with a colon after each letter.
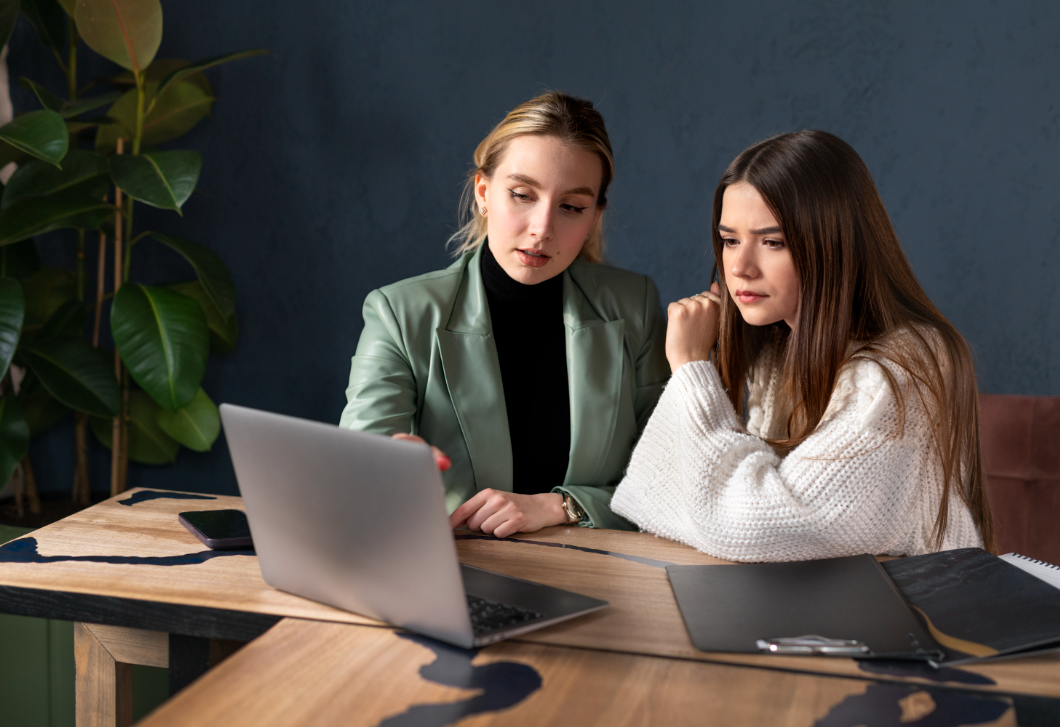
x: 427, y: 364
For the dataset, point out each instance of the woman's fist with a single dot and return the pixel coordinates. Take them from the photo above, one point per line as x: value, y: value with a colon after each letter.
x: 692, y: 327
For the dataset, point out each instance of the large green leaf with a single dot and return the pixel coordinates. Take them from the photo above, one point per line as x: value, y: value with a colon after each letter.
x: 211, y: 271
x: 148, y: 444
x: 163, y: 339
x: 70, y: 109
x: 47, y: 99
x: 46, y: 291
x: 184, y: 72
x: 37, y: 215
x: 19, y: 260
x: 127, y: 32
x: 161, y: 68
x: 39, y: 133
x: 161, y: 179
x: 196, y: 426
x: 75, y: 374
x: 172, y: 114
x: 12, y: 312
x: 223, y: 331
x: 14, y: 435
x: 50, y: 22
x: 8, y: 17
x: 86, y: 171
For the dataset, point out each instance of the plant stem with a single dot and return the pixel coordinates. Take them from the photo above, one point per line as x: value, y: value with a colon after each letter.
x: 116, y: 448
x: 101, y: 280
x: 124, y: 473
x: 127, y: 262
x: 71, y: 65
x: 140, y: 96
x: 82, y: 485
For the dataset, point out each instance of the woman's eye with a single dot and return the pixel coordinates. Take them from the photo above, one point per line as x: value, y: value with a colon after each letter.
x: 516, y: 195
x: 729, y: 242
x: 571, y: 209
x: 775, y: 244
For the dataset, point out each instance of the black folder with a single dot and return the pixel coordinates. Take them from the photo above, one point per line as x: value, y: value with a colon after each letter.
x: 979, y: 606
x: 838, y: 606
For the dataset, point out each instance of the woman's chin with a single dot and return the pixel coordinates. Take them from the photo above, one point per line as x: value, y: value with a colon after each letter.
x: 759, y: 318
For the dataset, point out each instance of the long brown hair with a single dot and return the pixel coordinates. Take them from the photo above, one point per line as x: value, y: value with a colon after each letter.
x: 573, y: 121
x: 855, y: 286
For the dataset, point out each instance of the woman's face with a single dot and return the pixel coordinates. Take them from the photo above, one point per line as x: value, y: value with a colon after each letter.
x: 759, y: 272
x: 540, y: 206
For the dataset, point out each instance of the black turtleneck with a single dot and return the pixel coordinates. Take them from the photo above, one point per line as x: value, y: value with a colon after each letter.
x: 532, y: 346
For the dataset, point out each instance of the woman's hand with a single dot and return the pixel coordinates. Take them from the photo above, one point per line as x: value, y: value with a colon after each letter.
x: 692, y: 327
x: 502, y: 513
x: 440, y: 457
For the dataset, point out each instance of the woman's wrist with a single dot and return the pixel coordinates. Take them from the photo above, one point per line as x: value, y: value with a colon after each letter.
x: 554, y: 505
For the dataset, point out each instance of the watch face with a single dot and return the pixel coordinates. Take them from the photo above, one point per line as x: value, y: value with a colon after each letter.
x: 573, y: 509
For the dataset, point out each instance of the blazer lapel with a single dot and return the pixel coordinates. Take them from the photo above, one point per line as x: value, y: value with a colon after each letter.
x: 473, y: 375
x: 594, y: 374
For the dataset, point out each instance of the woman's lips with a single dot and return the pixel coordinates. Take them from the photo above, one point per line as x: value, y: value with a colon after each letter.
x: 533, y: 258
x: 746, y: 296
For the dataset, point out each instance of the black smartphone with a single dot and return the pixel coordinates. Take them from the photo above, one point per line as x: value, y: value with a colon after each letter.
x: 218, y: 529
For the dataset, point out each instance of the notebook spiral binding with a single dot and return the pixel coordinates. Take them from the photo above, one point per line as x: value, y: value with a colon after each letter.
x: 1036, y: 561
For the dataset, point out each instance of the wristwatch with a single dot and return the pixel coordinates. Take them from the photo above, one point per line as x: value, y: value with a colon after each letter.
x: 574, y: 511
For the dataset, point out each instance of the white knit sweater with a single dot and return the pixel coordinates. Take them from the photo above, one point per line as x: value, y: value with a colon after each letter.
x: 854, y: 486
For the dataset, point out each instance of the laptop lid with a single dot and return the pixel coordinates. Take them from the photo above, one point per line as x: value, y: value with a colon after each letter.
x: 350, y: 519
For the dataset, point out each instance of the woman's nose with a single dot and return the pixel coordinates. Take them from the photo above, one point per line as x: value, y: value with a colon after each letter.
x: 541, y: 223
x: 743, y: 262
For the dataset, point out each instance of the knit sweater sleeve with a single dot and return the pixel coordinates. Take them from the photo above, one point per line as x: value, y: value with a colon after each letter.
x: 858, y: 484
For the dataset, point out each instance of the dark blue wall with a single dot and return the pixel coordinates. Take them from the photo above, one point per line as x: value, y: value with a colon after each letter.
x: 334, y: 165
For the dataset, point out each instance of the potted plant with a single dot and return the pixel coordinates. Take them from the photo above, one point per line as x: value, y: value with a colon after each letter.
x: 85, y: 172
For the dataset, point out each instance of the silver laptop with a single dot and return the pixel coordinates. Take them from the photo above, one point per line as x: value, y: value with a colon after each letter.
x: 358, y: 521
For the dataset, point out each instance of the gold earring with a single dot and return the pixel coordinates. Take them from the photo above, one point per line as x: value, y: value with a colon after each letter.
x: 483, y: 211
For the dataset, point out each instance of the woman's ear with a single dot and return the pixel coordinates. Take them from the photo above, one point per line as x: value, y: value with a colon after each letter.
x: 482, y: 188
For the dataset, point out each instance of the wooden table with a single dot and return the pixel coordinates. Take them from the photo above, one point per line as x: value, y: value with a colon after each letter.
x: 314, y: 673
x: 144, y: 591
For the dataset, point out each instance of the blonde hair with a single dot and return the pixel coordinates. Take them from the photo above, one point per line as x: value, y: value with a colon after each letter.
x: 572, y: 120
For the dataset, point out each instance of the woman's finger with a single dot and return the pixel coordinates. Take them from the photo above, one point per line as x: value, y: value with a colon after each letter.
x: 711, y: 296
x: 404, y: 437
x: 486, y: 510
x: 462, y: 513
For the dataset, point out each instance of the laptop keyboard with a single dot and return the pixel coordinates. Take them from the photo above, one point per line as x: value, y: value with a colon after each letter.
x: 488, y: 616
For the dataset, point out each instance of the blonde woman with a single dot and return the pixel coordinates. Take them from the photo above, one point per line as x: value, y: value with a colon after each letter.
x: 529, y: 367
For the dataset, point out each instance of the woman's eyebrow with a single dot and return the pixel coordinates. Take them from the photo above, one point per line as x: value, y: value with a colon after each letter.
x: 763, y: 231
x: 524, y: 179
x: 581, y: 190
x: 530, y: 181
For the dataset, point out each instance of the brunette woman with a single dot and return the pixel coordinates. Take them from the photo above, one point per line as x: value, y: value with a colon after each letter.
x: 528, y: 363
x: 839, y: 414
